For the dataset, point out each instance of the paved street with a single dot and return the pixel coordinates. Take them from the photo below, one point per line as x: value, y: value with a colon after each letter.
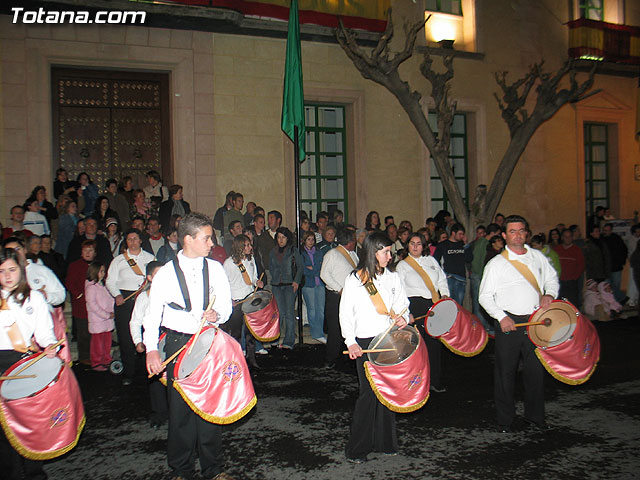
x: 299, y: 428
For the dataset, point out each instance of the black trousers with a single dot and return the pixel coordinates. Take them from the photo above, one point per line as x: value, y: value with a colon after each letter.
x: 570, y: 289
x: 125, y: 342
x: 234, y: 327
x: 335, y: 342
x: 510, y: 347
x: 13, y: 465
x: 373, y: 428
x: 83, y: 337
x: 419, y: 306
x: 190, y: 436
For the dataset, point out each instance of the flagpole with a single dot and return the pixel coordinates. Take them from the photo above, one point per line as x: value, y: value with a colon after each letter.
x: 296, y: 170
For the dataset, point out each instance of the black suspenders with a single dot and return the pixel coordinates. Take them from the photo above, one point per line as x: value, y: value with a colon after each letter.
x: 185, y: 291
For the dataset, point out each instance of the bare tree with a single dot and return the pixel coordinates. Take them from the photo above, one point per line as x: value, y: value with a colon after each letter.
x: 381, y: 65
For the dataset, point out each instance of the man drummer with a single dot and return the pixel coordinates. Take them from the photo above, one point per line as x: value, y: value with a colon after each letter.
x: 514, y: 284
x: 179, y: 303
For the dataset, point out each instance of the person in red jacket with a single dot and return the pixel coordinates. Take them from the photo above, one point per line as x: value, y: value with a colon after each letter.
x: 572, y: 263
x: 76, y: 275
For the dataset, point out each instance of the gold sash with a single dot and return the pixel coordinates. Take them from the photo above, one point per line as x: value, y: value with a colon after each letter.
x: 346, y: 255
x: 132, y: 263
x: 374, y: 295
x: 245, y: 275
x: 13, y: 332
x: 425, y: 277
x: 524, y: 271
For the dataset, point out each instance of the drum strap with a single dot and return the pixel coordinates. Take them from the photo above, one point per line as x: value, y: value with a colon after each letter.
x: 245, y: 275
x: 185, y: 291
x: 15, y: 336
x: 346, y: 255
x: 425, y: 277
x: 132, y: 263
x: 524, y: 271
x: 373, y: 292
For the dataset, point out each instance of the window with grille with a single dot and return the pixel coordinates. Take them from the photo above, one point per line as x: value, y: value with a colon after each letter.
x: 445, y: 6
x: 592, y: 9
x: 458, y: 159
x: 323, y: 173
x: 596, y: 166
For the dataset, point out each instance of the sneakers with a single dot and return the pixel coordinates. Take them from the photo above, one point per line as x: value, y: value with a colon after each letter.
x: 262, y: 351
x: 356, y: 460
x: 321, y: 340
x: 439, y: 389
x: 99, y: 368
x: 126, y: 382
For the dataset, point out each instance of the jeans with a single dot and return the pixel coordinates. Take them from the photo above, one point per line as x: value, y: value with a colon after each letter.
x: 457, y: 285
x: 616, y: 279
x: 285, y: 299
x: 314, y: 299
x: 477, y: 310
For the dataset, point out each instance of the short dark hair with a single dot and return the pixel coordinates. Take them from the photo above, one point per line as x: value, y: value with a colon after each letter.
x: 457, y: 227
x: 634, y: 228
x: 154, y: 174
x: 173, y: 189
x: 151, y: 266
x: 14, y: 239
x: 130, y: 231
x: 110, y: 182
x: 191, y: 224
x: 515, y: 219
x: 286, y: 232
x: 257, y: 215
x: 276, y: 214
x: 345, y: 235
x: 493, y: 228
x: 322, y: 214
x: 423, y: 241
x: 233, y: 224
x: 16, y: 206
x: 236, y: 196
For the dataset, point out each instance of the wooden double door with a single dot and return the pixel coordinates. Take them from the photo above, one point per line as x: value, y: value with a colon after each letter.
x: 111, y: 124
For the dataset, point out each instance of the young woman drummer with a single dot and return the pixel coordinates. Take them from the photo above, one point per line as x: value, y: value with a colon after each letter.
x: 422, y: 296
x: 373, y: 428
x: 27, y: 312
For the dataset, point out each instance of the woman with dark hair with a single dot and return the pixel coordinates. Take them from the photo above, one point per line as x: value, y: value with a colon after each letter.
x: 442, y: 219
x: 553, y: 237
x: 87, y: 193
x: 174, y: 206
x: 45, y: 207
x: 102, y: 212
x: 114, y: 235
x: 425, y: 283
x: 141, y: 207
x: 373, y: 427
x: 372, y: 222
x: 286, y: 268
x: 313, y: 289
x: 34, y: 221
x: 125, y: 277
x: 169, y: 251
x: 63, y: 186
x: 242, y: 273
x: 28, y: 309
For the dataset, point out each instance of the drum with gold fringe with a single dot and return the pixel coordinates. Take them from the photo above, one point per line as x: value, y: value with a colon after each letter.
x: 261, y: 316
x: 213, y: 378
x: 399, y: 375
x: 568, y: 345
x: 459, y: 329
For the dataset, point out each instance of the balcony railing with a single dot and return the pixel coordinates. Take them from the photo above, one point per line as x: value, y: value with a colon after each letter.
x: 606, y: 42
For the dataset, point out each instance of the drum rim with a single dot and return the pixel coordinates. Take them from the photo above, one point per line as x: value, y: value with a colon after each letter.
x: 258, y: 293
x: 573, y: 324
x: 432, y: 307
x: 18, y: 364
x: 404, y: 360
x: 184, y: 352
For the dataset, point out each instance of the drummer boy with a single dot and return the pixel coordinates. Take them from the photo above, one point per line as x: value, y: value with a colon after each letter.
x: 180, y: 296
x: 514, y: 284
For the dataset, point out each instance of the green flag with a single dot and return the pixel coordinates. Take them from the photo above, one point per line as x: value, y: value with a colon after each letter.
x: 293, y: 95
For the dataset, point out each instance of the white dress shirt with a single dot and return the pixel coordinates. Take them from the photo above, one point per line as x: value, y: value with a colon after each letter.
x: 122, y: 277
x: 140, y: 310
x: 504, y: 289
x: 335, y: 268
x: 358, y: 315
x: 239, y: 289
x: 414, y: 286
x: 33, y: 319
x: 39, y: 276
x: 165, y: 289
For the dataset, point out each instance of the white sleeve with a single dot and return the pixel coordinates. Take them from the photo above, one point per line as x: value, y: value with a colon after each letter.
x: 347, y: 310
x: 400, y: 302
x: 488, y: 287
x: 551, y: 285
x: 441, y: 284
x: 43, y: 331
x: 153, y: 316
x: 326, y: 273
x: 137, y: 316
x: 56, y: 292
x: 112, y: 276
x: 218, y: 277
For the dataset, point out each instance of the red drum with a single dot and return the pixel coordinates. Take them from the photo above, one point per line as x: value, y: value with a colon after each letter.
x: 261, y: 316
x: 214, y: 378
x: 41, y: 416
x: 162, y: 342
x: 60, y: 331
x: 459, y: 329
x: 400, y: 377
x: 569, y: 347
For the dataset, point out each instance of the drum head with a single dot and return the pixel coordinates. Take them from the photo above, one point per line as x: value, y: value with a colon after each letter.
x: 190, y: 361
x: 46, y: 370
x: 445, y: 313
x: 403, y: 342
x: 256, y: 302
x: 563, y: 318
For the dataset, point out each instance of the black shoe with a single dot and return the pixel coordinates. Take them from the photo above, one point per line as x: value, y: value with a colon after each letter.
x: 504, y: 429
x: 126, y: 382
x: 439, y: 389
x: 356, y: 460
x: 540, y: 426
x: 329, y: 365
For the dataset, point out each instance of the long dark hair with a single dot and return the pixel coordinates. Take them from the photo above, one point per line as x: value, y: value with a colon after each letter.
x: 367, y: 221
x: 22, y: 291
x: 287, y: 233
x: 368, y: 261
x: 237, y: 248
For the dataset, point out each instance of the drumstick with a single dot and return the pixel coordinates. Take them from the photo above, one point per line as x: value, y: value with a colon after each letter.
x: 430, y: 314
x: 256, y: 289
x: 141, y: 289
x: 372, y: 350
x: 213, y: 299
x: 37, y: 357
x: 546, y: 322
x: 168, y: 360
x: 16, y: 377
x: 389, y: 329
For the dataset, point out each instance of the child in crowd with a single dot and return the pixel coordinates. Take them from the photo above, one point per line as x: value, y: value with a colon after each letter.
x: 100, y: 310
